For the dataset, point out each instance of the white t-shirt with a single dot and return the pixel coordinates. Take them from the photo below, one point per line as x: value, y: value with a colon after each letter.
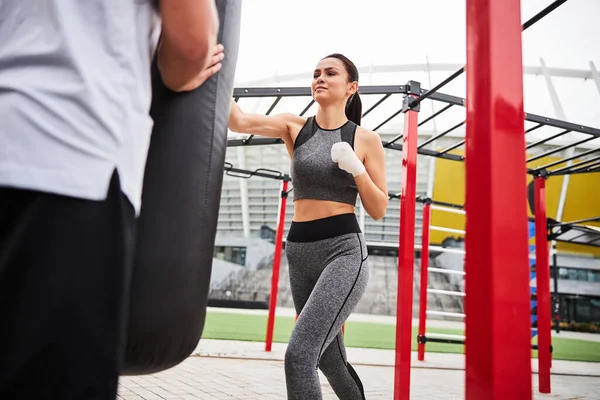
x: 75, y: 94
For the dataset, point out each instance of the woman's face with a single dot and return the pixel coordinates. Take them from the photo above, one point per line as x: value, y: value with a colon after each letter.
x: 330, y: 82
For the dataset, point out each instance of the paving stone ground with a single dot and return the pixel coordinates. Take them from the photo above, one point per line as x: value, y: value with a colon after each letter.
x: 242, y: 370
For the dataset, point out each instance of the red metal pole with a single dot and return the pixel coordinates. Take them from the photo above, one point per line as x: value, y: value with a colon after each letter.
x: 424, y: 276
x: 406, y: 258
x: 497, y: 301
x: 276, y: 265
x: 542, y: 273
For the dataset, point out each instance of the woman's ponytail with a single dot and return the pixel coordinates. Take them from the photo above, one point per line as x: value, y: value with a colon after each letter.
x: 354, y: 108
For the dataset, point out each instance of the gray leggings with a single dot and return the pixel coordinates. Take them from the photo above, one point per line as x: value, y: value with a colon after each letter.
x: 329, y: 272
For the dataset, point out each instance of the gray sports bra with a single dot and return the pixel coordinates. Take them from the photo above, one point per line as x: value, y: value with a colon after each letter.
x: 314, y: 175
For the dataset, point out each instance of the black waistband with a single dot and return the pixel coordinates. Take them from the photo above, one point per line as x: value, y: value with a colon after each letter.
x: 325, y: 228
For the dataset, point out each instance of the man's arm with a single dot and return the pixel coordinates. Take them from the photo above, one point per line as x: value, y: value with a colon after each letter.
x: 188, y: 40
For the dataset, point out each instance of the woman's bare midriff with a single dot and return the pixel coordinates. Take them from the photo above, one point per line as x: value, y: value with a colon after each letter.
x: 310, y: 210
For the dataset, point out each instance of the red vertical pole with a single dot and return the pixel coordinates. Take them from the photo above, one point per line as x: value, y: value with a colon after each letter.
x: 276, y: 265
x: 498, y: 346
x: 424, y: 276
x: 406, y: 257
x: 542, y: 272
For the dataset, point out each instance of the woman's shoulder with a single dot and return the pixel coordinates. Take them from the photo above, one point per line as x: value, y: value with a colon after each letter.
x: 367, y: 135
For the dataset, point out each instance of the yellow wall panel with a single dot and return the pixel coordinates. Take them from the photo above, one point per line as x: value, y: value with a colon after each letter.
x: 582, y: 201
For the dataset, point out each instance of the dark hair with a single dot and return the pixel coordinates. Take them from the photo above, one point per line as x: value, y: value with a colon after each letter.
x: 354, y: 104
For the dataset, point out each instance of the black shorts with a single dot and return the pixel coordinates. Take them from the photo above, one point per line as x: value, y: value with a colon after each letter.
x: 65, y: 267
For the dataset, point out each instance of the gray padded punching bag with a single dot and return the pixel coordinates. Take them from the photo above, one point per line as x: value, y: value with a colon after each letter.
x: 178, y: 221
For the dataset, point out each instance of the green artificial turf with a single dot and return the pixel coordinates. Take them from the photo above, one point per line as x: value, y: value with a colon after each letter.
x: 252, y: 327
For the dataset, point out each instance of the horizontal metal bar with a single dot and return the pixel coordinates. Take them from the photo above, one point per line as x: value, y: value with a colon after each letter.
x: 449, y: 99
x: 573, y: 157
x: 449, y: 230
x: 388, y: 120
x: 538, y: 126
x: 448, y: 205
x: 546, y: 139
x: 432, y: 116
x: 591, y: 243
x: 572, y: 166
x: 445, y: 314
x: 595, y: 167
x: 244, y: 173
x: 556, y: 123
x: 587, y: 167
x: 425, y: 152
x: 255, y: 142
x: 441, y: 249
x: 436, y: 137
x: 578, y: 221
x: 454, y: 339
x: 448, y: 209
x: 446, y: 271
x: 445, y: 341
x: 384, y: 98
x: 424, y: 200
x: 312, y: 101
x: 454, y: 146
x: 402, y: 89
x: 444, y: 336
x: 437, y: 87
x: 446, y: 292
x: 250, y: 92
x: 559, y: 149
x: 387, y: 245
x: 543, y: 121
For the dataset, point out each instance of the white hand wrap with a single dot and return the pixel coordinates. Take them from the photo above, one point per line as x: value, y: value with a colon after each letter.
x: 344, y: 156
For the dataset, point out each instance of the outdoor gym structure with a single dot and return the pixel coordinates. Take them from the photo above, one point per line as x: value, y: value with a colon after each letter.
x: 498, y: 354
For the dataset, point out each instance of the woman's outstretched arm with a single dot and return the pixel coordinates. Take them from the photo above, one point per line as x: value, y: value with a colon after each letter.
x: 262, y: 125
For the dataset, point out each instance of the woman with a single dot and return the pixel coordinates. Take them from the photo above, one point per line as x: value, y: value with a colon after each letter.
x: 333, y: 160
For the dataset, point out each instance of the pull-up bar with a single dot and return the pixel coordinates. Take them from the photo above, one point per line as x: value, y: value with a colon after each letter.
x: 412, y: 89
x: 262, y: 172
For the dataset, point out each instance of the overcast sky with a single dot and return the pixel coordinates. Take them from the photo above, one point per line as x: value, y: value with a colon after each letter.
x: 291, y: 36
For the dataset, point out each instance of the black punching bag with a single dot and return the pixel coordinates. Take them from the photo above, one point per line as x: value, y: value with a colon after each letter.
x: 178, y: 221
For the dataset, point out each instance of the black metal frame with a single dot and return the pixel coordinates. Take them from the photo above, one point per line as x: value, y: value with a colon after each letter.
x: 557, y: 229
x: 413, y: 95
x: 575, y: 233
x: 230, y: 170
x: 423, y: 339
x: 412, y: 88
